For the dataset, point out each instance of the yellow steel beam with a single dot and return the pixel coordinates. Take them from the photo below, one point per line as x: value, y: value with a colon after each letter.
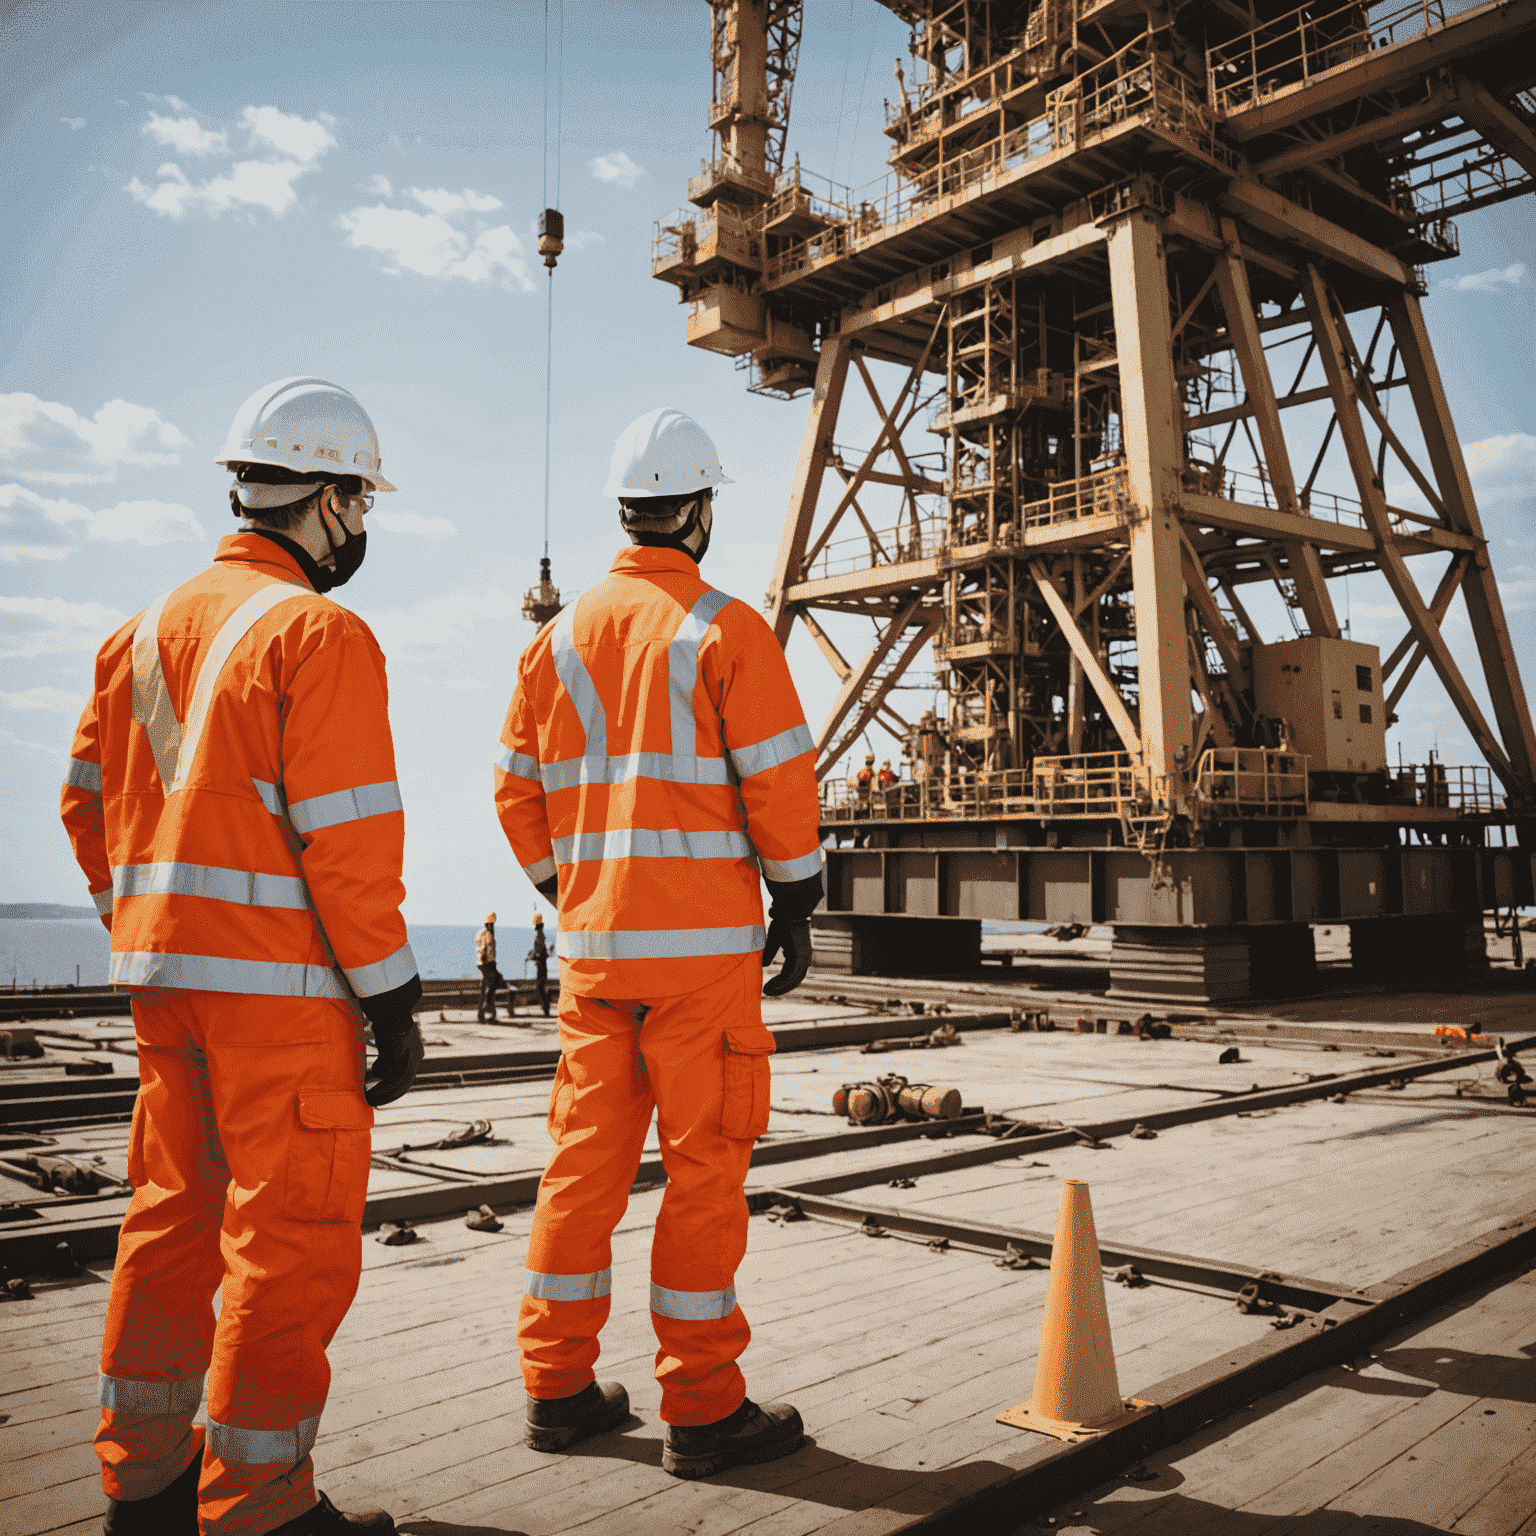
x: 815, y: 449
x: 1336, y: 363
x: 1437, y: 104
x: 1267, y: 523
x: 1284, y: 220
x: 1242, y: 326
x: 1485, y: 608
x: 1151, y: 417
x: 1498, y: 124
x: 1093, y: 668
x: 1496, y: 24
x: 877, y: 582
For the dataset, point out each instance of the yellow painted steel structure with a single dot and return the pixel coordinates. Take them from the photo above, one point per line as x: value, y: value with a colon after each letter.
x: 1101, y: 223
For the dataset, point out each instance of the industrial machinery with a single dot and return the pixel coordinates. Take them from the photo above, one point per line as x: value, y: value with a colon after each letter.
x: 1107, y: 229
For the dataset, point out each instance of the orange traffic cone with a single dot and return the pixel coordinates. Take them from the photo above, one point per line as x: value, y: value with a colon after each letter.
x: 1076, y: 1394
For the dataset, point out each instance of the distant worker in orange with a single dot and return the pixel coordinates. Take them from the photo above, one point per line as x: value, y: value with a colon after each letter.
x: 231, y: 798
x: 490, y: 976
x: 539, y: 954
x: 655, y: 763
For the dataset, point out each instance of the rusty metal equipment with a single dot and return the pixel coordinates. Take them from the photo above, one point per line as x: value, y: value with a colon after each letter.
x: 1115, y: 253
x: 893, y: 1098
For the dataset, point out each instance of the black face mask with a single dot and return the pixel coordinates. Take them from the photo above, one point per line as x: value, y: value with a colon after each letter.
x: 348, y: 556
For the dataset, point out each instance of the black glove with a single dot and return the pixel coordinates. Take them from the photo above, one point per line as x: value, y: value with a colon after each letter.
x: 789, y: 930
x: 398, y: 1040
x: 550, y: 889
x: 794, y: 938
x: 398, y: 1061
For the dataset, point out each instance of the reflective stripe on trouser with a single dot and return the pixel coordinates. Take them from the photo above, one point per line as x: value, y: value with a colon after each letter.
x: 259, y: 1098
x: 146, y: 1438
x: 700, y: 1058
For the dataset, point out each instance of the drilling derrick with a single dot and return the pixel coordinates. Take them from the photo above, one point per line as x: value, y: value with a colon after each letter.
x: 1141, y: 283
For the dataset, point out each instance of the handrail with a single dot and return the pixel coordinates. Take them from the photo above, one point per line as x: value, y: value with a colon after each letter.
x: 1252, y: 781
x: 1292, y: 49
x: 1127, y: 85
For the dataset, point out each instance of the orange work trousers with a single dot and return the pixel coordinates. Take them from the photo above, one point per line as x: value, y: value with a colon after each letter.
x: 249, y: 1161
x: 700, y: 1061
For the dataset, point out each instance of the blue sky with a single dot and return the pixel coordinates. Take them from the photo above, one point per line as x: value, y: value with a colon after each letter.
x: 200, y: 198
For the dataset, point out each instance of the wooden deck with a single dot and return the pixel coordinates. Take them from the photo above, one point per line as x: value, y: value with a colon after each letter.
x: 900, y: 1357
x: 1430, y: 1431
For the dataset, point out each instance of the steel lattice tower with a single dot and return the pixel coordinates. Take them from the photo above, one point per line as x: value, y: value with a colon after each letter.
x: 1101, y: 223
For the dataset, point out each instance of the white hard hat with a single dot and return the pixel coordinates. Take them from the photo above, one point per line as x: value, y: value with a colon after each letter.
x: 663, y: 453
x: 307, y: 425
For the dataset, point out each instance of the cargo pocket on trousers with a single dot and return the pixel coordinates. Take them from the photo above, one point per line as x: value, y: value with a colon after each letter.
x: 744, y: 1107
x: 561, y: 1099
x: 328, y: 1158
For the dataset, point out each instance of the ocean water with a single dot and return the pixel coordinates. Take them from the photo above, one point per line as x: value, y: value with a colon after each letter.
x: 46, y: 952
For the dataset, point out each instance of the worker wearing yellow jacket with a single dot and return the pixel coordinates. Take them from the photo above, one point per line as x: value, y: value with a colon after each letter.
x: 231, y: 798
x: 655, y: 764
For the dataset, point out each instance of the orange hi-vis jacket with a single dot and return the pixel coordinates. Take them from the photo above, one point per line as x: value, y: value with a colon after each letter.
x: 655, y: 755
x: 231, y: 792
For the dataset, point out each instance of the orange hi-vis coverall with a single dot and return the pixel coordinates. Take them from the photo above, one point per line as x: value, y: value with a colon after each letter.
x: 231, y: 798
x: 655, y: 757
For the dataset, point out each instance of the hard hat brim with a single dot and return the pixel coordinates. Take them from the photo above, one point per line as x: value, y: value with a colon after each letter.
x: 622, y: 492
x: 372, y: 479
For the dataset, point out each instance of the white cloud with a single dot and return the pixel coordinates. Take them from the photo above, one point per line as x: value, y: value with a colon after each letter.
x: 617, y: 168
x: 427, y: 243
x: 419, y: 242
x: 50, y: 444
x: 40, y: 528
x: 42, y: 625
x: 44, y: 698
x: 298, y: 138
x: 147, y: 522
x: 496, y: 251
x: 448, y: 203
x: 250, y: 184
x: 77, y: 123
x: 1502, y: 468
x: 1517, y: 589
x: 377, y: 186
x: 32, y: 527
x: 582, y: 239
x: 411, y: 523
x: 298, y: 143
x: 438, y: 624
x: 465, y: 684
x: 175, y: 103
x: 1491, y: 281
x: 186, y: 135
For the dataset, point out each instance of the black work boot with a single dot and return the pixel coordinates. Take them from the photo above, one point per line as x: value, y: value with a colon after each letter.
x: 326, y: 1520
x: 751, y: 1435
x: 557, y: 1423
x: 171, y: 1512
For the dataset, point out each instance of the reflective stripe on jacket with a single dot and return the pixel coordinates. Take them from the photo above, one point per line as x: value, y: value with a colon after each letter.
x: 231, y: 791
x: 655, y: 754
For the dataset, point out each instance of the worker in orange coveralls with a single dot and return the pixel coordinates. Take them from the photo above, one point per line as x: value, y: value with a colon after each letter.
x: 655, y: 762
x: 231, y: 798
